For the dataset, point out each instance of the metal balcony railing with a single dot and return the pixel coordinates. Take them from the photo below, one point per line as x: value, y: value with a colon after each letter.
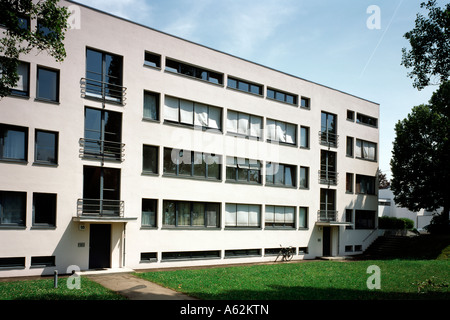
x: 328, y: 139
x: 328, y: 177
x: 102, y: 150
x: 100, y: 208
x: 327, y: 216
x: 104, y: 91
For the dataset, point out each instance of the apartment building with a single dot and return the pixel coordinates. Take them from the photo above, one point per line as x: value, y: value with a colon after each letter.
x: 144, y: 150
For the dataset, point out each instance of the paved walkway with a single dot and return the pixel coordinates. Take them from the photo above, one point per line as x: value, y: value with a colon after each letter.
x: 135, y: 288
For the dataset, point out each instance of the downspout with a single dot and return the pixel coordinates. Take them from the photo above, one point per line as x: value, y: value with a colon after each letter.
x: 124, y: 237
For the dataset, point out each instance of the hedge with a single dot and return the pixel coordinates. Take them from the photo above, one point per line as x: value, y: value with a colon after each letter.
x: 395, y: 223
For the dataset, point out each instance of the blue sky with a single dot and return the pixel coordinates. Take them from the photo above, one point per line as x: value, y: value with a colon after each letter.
x: 324, y: 41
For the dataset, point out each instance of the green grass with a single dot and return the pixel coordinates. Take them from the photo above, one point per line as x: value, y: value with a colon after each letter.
x: 43, y: 289
x: 400, y: 279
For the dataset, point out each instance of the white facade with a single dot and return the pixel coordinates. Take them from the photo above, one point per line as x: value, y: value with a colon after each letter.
x: 388, y: 208
x: 347, y: 222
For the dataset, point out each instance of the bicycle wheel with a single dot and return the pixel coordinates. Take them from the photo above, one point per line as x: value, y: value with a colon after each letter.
x: 289, y: 256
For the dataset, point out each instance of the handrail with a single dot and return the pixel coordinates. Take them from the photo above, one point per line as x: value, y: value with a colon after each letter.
x: 327, y: 215
x: 105, y: 91
x: 328, y: 177
x: 101, y: 149
x: 100, y: 207
x: 328, y: 139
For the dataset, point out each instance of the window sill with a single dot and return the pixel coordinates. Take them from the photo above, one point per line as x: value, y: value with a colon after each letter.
x: 305, y: 108
x: 13, y: 161
x: 305, y: 148
x: 193, y: 127
x: 268, y: 228
x: 45, y: 164
x: 13, y: 268
x: 243, y: 182
x: 41, y: 266
x: 166, y: 175
x: 280, y: 186
x: 246, y: 92
x: 11, y: 227
x: 47, y: 101
x: 283, y: 102
x: 194, y: 78
x: 14, y: 95
x: 367, y: 125
x: 43, y: 227
x: 149, y: 261
x: 199, y: 228
x: 287, y: 144
x: 370, y: 160
x: 148, y: 173
x: 241, y: 135
x: 152, y: 67
x: 150, y: 120
x: 242, y: 228
x: 148, y: 228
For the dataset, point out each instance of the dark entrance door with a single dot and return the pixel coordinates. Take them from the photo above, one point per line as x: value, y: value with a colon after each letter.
x: 326, y: 241
x: 100, y: 246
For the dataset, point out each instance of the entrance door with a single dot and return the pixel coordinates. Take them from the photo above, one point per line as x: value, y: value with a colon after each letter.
x: 326, y: 251
x: 100, y: 246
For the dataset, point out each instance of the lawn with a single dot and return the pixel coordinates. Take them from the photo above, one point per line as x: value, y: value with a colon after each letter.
x: 43, y: 289
x: 312, y: 280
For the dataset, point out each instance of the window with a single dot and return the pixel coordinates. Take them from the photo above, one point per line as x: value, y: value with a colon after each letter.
x: 46, y: 147
x: 151, y: 105
x: 193, y: 71
x: 303, y: 218
x: 349, y: 146
x: 350, y: 115
x: 47, y: 84
x: 365, y: 184
x: 152, y: 60
x: 243, y: 170
x: 304, y: 177
x: 244, y: 124
x: 13, y: 262
x: 281, y: 132
x: 41, y: 262
x: 22, y: 87
x: 348, y: 248
x: 12, y: 208
x: 361, y: 118
x: 365, y: 219
x: 242, y: 215
x: 150, y: 156
x: 192, y: 113
x: 304, y: 137
x: 13, y: 143
x: 102, y: 134
x: 245, y: 86
x: 44, y: 209
x: 279, y: 216
x: 349, y: 182
x: 279, y: 174
x: 149, y: 209
x: 44, y: 31
x: 349, y: 217
x: 191, y: 214
x: 305, y: 103
x: 22, y: 23
x: 192, y: 164
x: 242, y: 253
x: 282, y: 96
x: 366, y: 150
x: 149, y: 257
x: 328, y: 130
x: 190, y: 255
x: 104, y: 76
x: 328, y: 168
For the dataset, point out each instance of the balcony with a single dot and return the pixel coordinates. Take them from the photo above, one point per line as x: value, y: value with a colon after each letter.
x: 329, y: 178
x: 101, y: 150
x: 327, y: 215
x: 100, y: 208
x: 103, y: 91
x: 328, y: 139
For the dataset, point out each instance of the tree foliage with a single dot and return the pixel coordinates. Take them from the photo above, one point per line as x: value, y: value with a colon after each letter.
x: 383, y: 182
x: 421, y: 155
x: 19, y: 39
x: 429, y: 56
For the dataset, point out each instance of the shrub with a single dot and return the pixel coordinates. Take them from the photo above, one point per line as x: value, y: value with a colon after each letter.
x: 395, y: 223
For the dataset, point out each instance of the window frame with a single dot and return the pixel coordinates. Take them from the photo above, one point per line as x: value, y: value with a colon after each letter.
x: 239, y: 225
x: 156, y: 61
x: 307, y: 103
x: 156, y: 216
x: 197, y: 72
x: 277, y: 124
x: 56, y: 147
x: 247, y: 135
x: 274, y: 224
x: 248, y: 167
x: 284, y: 94
x: 23, y: 213
x: 306, y: 211
x: 307, y: 133
x: 240, y: 83
x: 22, y: 93
x: 52, y: 218
x: 3, y: 128
x: 38, y: 84
x: 361, y: 156
x: 307, y: 173
x: 370, y: 184
x: 154, y: 171
x: 178, y: 215
x: 157, y: 97
x: 272, y: 181
x: 365, y: 120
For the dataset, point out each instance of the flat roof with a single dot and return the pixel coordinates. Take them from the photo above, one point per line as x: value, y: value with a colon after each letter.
x: 222, y: 52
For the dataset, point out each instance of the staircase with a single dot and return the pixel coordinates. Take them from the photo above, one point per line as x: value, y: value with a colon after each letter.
x: 388, y: 247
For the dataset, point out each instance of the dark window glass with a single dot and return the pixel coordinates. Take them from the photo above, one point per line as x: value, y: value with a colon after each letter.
x: 149, y: 209
x: 349, y: 147
x: 191, y: 214
x: 365, y: 219
x: 190, y: 163
x: 350, y: 115
x: 13, y: 142
x: 46, y: 147
x: 305, y: 103
x: 46, y: 32
x: 349, y: 182
x: 150, y: 159
x: 43, y: 261
x: 47, y: 84
x: 22, y: 87
x: 304, y: 137
x: 245, y: 86
x: 192, y: 71
x: 151, y: 105
x: 44, y: 209
x: 304, y: 177
x: 281, y: 174
x: 360, y: 118
x: 152, y: 60
x: 365, y: 184
x: 15, y: 262
x: 12, y: 208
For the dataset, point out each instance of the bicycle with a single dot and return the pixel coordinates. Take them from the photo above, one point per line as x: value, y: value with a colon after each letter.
x: 286, y: 253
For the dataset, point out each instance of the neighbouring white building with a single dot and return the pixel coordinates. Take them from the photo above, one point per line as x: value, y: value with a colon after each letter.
x: 144, y: 150
x: 388, y: 208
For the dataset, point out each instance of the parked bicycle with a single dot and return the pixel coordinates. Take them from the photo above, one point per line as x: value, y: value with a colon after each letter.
x: 286, y: 253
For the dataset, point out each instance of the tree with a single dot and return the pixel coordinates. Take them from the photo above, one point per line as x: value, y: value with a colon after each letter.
x: 421, y: 156
x: 429, y: 55
x: 18, y: 37
x: 383, y: 182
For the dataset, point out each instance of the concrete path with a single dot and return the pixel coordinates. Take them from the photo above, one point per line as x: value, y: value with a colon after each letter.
x: 135, y: 288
